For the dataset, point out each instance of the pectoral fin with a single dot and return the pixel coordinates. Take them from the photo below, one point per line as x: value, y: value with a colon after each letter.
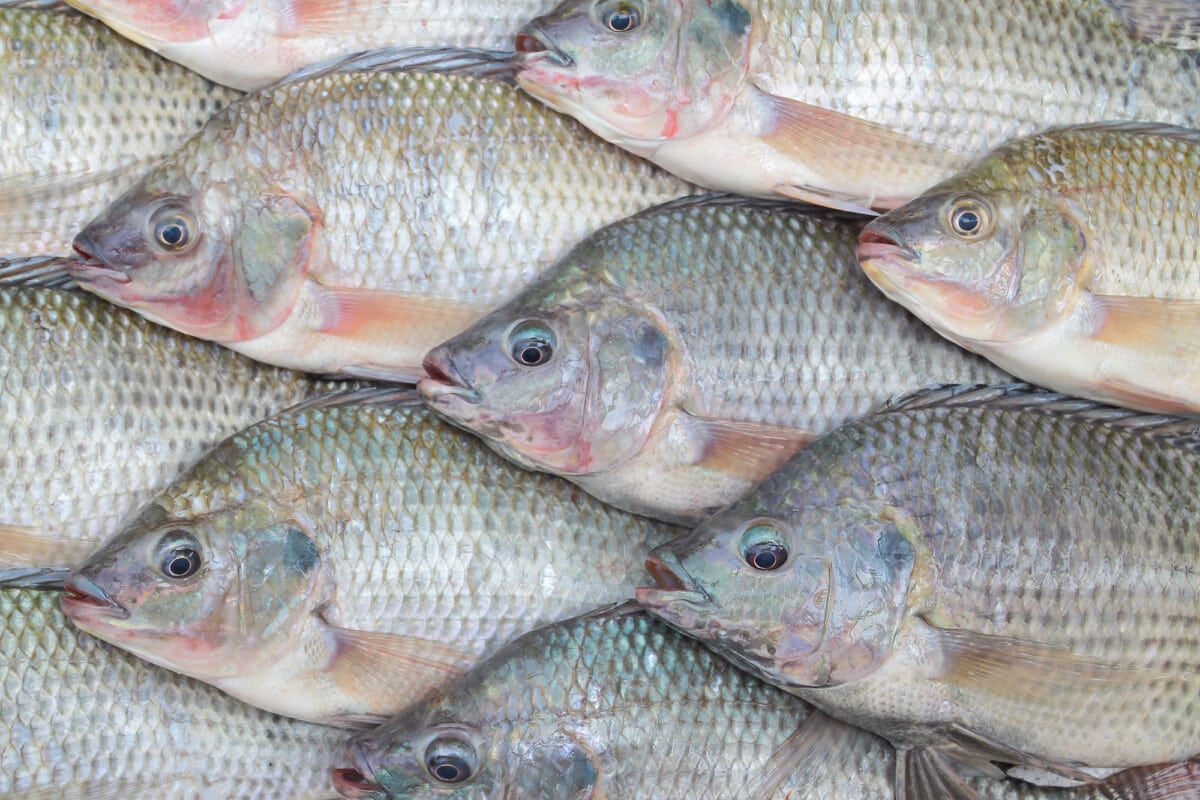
x: 749, y: 450
x: 926, y: 773
x: 22, y: 546
x: 388, y: 671
x: 804, y: 757
x: 853, y: 151
x: 1170, y: 23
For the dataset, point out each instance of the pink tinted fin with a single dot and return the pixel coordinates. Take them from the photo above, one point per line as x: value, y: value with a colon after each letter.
x: 1161, y: 782
x: 1170, y: 23
x: 22, y: 546
x: 388, y: 671
x: 337, y: 18
x: 402, y: 325
x: 1169, y: 327
x: 750, y: 450
x: 851, y: 149
x: 819, y: 743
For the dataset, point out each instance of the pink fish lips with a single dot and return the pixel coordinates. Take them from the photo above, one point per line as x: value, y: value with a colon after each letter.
x: 350, y: 782
x: 535, y: 44
x: 84, y: 600
x: 443, y: 385
x: 673, y: 585
x: 91, y: 270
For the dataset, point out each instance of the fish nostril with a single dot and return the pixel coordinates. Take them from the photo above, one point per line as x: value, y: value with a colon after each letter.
x: 527, y: 43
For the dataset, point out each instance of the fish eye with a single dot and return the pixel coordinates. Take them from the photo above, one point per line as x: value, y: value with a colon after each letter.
x: 621, y: 17
x: 531, y: 343
x: 173, y: 229
x: 969, y: 218
x: 762, y: 547
x: 450, y: 760
x: 180, y: 555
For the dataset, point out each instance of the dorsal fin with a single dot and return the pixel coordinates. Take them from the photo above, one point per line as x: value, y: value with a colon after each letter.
x: 359, y: 395
x: 48, y: 271
x: 1178, y: 431
x: 47, y: 578
x: 475, y: 62
x: 1169, y: 23
x: 725, y: 200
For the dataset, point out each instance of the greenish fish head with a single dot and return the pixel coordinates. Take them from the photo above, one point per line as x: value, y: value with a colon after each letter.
x: 423, y: 754
x: 208, y: 597
x: 219, y: 260
x: 154, y: 23
x: 570, y: 382
x: 638, y: 72
x: 802, y: 598
x: 981, y: 267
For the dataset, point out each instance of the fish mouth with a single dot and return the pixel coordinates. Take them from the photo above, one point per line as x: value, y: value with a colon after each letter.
x: 349, y: 782
x: 532, y: 43
x: 875, y: 244
x: 444, y: 382
x: 84, y: 597
x: 90, y: 268
x: 673, y: 585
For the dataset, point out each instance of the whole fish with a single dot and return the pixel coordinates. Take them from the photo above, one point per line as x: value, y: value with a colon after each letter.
x: 249, y: 43
x: 673, y: 360
x: 334, y: 564
x: 855, y: 105
x: 349, y: 222
x: 83, y: 113
x: 617, y: 705
x: 978, y: 575
x: 1068, y: 258
x: 99, y: 410
x: 83, y: 720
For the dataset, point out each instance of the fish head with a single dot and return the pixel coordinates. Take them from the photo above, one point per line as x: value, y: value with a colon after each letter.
x: 804, y: 599
x: 206, y: 596
x: 215, y: 256
x: 980, y: 266
x: 570, y: 380
x: 444, y: 751
x: 638, y: 72
x: 154, y: 23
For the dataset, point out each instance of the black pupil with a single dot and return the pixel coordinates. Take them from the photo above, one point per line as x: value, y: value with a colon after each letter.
x: 968, y: 221
x: 182, y: 563
x: 533, y: 352
x: 171, y: 233
x: 450, y: 769
x: 767, y: 555
x: 620, y: 21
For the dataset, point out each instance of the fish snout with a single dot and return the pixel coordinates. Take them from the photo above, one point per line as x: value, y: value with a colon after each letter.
x: 353, y: 781
x: 444, y: 379
x: 673, y: 584
x: 532, y: 41
x: 84, y: 597
x: 89, y: 267
x: 881, y: 241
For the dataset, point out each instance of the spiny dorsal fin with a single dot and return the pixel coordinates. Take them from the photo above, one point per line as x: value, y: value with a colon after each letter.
x: 474, y: 62
x: 46, y: 578
x: 1169, y: 23
x: 1178, y: 431
x: 725, y: 200
x: 48, y: 271
x: 400, y: 395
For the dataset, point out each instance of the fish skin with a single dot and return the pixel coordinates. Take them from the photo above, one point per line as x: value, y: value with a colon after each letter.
x: 675, y: 325
x: 82, y: 719
x: 363, y: 518
x: 1081, y: 275
x: 481, y: 188
x: 620, y: 704
x: 247, y: 44
x: 87, y: 114
x: 975, y: 588
x: 852, y: 105
x: 100, y: 410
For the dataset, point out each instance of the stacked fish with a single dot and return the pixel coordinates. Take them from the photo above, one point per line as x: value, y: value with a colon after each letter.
x: 906, y: 576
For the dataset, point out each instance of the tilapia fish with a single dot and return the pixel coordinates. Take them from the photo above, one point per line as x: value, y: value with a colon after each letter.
x: 617, y: 705
x: 979, y: 575
x: 249, y: 43
x: 83, y: 113
x: 855, y: 105
x: 99, y: 410
x: 80, y: 719
x: 672, y: 360
x: 349, y: 222
x: 334, y: 564
x: 1069, y: 258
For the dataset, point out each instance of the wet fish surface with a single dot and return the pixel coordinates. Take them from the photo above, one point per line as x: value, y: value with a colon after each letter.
x: 337, y: 562
x: 979, y: 575
x: 82, y: 719
x: 1068, y: 258
x: 348, y: 222
x: 674, y: 359
x: 83, y: 114
x: 100, y: 410
x: 854, y: 105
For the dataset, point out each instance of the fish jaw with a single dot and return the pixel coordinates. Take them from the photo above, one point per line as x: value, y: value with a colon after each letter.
x: 87, y: 604
x: 354, y: 782
x: 446, y: 390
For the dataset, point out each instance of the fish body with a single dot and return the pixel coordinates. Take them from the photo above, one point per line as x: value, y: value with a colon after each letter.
x: 83, y: 113
x: 82, y: 719
x: 100, y: 410
x: 351, y: 221
x: 852, y: 105
x: 1068, y: 258
x: 334, y: 564
x: 991, y: 575
x: 616, y: 702
x: 689, y: 351
x: 250, y: 43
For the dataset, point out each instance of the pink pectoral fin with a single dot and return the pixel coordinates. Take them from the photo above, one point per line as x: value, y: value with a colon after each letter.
x: 749, y: 450
x: 22, y: 546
